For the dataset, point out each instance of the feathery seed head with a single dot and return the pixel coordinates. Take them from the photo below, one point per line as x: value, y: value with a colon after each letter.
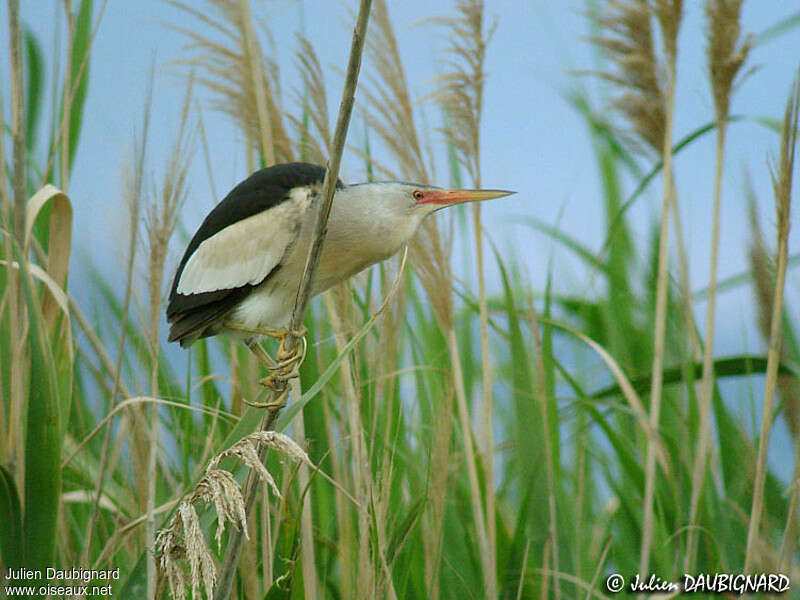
x: 628, y: 42
x: 669, y: 14
x: 183, y: 540
x: 726, y: 51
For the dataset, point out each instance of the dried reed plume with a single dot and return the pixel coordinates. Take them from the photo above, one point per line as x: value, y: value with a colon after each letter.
x: 161, y: 219
x: 727, y: 51
x: 726, y: 54
x: 782, y: 188
x: 650, y: 109
x: 243, y: 80
x: 461, y: 97
x: 388, y: 109
x: 669, y: 14
x: 183, y: 540
x: 461, y: 85
x: 390, y: 114
x: 313, y: 99
x: 762, y: 273
x: 627, y: 40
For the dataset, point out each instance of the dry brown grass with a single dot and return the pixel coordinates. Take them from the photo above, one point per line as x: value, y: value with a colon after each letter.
x: 461, y: 96
x: 160, y: 222
x: 726, y: 54
x: 648, y: 103
x: 782, y: 174
x: 183, y: 540
x: 388, y: 107
x: 762, y: 270
x: 242, y: 80
x: 727, y: 50
x: 314, y: 141
x: 627, y: 40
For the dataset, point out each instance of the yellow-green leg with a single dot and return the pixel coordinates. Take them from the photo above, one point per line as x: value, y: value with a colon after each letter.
x: 286, y: 365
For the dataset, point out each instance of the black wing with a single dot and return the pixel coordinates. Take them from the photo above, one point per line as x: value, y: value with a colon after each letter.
x: 193, y: 315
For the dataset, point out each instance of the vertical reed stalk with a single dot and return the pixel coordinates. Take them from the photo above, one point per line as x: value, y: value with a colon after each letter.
x: 726, y: 56
x: 248, y: 565
x: 17, y: 319
x: 462, y: 99
x: 152, y: 473
x: 235, y: 540
x: 487, y: 567
x: 267, y: 556
x: 162, y: 217
x: 18, y: 120
x: 66, y: 102
x: 790, y: 531
x: 782, y: 184
x: 6, y: 210
x: 541, y: 396
x: 360, y: 464
x: 253, y: 54
x: 707, y: 382
x: 487, y: 408
x: 344, y: 521
x: 133, y: 196
x: 660, y: 324
x: 6, y: 207
x: 307, y: 560
x: 433, y: 541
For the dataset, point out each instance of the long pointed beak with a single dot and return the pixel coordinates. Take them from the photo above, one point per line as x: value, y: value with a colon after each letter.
x: 448, y: 197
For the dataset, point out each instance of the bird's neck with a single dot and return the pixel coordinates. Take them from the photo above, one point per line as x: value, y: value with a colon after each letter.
x: 364, y: 228
x: 377, y: 221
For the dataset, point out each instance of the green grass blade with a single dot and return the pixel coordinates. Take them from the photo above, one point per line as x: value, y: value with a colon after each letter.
x: 734, y: 366
x: 11, y: 543
x: 581, y: 251
x: 603, y: 130
x: 676, y: 149
x: 734, y: 281
x: 43, y: 442
x: 330, y: 371
x: 34, y: 63
x: 778, y: 29
x: 403, y: 530
x: 79, y: 66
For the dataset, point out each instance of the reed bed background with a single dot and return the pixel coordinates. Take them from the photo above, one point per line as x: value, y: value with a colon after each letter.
x: 455, y: 441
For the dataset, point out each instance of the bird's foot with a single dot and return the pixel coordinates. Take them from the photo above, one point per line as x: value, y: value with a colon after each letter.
x: 278, y: 334
x: 286, y: 366
x: 273, y: 405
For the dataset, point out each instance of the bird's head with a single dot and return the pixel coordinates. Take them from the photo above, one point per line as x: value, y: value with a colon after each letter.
x: 429, y: 199
x: 387, y: 214
x: 408, y: 200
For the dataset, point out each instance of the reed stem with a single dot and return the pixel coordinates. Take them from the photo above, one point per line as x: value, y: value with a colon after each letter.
x: 660, y: 327
x: 782, y: 182
x: 236, y: 538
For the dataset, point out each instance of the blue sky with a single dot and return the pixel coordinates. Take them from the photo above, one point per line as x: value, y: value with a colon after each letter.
x: 532, y: 140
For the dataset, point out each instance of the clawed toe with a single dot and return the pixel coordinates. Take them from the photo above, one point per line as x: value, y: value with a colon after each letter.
x: 286, y: 366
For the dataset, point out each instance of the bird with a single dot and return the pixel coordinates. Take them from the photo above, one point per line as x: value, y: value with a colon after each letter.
x: 242, y: 268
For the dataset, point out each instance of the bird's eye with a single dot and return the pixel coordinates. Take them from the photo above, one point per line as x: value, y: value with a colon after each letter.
x: 418, y: 195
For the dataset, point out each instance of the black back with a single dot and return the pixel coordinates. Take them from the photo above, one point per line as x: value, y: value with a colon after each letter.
x: 191, y: 314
